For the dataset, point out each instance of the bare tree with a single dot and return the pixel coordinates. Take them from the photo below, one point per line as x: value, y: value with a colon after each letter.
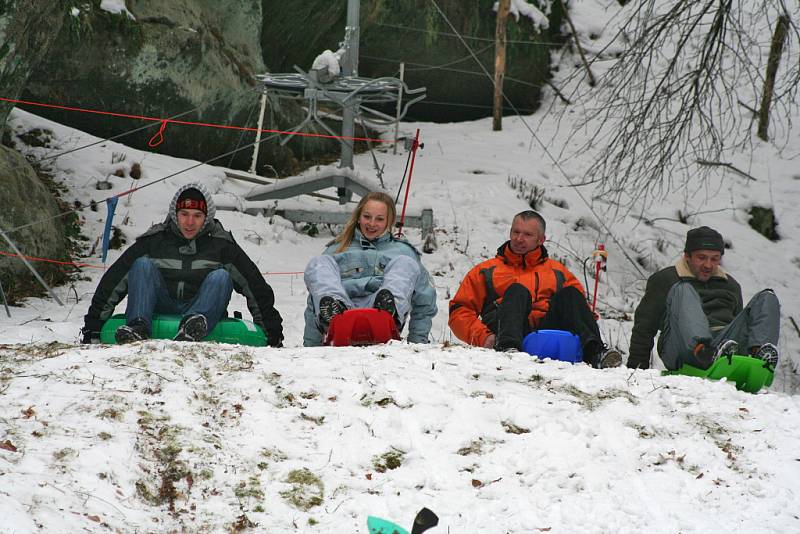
x: 684, y: 92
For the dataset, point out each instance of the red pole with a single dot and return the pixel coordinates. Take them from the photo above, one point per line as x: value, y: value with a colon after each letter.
x: 601, y: 260
x: 408, y: 184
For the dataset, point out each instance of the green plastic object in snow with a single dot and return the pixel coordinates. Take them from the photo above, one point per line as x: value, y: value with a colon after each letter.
x: 228, y: 330
x: 748, y: 373
x: 376, y: 525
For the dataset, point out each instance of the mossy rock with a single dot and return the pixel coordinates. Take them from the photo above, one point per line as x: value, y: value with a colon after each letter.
x: 196, y: 56
x: 27, y: 201
x: 763, y: 221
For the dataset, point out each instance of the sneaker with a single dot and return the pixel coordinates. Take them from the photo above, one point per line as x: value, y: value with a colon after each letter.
x: 506, y: 346
x: 192, y: 328
x: 136, y: 330
x: 329, y: 308
x: 384, y: 300
x: 610, y: 357
x: 727, y: 349
x: 769, y: 353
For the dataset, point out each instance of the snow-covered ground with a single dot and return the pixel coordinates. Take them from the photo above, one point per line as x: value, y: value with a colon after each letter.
x: 163, y: 437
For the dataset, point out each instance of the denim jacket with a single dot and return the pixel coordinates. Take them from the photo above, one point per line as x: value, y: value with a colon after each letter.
x: 361, y: 268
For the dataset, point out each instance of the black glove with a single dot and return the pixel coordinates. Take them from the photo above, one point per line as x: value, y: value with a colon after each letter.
x: 274, y: 339
x: 89, y: 335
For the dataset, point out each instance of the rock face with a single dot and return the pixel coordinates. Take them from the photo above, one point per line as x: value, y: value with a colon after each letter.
x: 24, y: 200
x: 416, y: 33
x: 172, y: 57
x: 27, y: 28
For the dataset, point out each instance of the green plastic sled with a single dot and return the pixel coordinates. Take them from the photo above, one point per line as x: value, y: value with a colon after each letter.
x: 376, y: 525
x: 228, y: 330
x: 749, y: 374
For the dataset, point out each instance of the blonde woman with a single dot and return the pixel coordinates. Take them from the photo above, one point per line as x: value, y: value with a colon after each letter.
x: 367, y: 267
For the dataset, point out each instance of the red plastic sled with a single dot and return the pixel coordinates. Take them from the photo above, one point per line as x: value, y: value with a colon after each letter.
x: 361, y: 326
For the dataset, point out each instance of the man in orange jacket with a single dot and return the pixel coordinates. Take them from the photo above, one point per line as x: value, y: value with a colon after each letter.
x: 520, y: 290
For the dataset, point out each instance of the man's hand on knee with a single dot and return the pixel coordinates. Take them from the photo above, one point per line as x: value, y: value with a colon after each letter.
x: 490, y: 340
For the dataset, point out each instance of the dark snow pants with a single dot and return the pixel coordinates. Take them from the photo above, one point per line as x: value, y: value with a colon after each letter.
x: 568, y: 311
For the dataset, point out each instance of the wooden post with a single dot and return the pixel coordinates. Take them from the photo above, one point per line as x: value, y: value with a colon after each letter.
x: 254, y: 162
x: 775, y: 51
x: 503, y: 8
x: 8, y: 312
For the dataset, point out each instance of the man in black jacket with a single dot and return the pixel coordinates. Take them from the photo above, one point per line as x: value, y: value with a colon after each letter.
x: 697, y: 306
x: 187, y: 265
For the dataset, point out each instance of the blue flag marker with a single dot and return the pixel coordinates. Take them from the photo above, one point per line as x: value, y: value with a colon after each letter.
x: 111, y: 206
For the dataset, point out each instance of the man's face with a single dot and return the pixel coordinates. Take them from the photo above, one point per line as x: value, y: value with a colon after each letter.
x: 190, y: 222
x: 525, y: 235
x: 703, y: 262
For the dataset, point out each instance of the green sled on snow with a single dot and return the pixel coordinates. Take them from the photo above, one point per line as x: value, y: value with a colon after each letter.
x: 228, y: 330
x: 376, y: 525
x: 748, y: 373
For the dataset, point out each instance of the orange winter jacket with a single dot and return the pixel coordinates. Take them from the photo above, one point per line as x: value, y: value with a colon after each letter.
x: 485, y: 284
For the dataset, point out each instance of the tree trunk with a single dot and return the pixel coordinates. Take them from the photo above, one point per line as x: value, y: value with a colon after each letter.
x: 500, y: 62
x: 588, y: 69
x: 775, y: 51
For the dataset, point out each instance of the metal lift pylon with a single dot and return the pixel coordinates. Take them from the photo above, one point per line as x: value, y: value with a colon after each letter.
x: 355, y: 96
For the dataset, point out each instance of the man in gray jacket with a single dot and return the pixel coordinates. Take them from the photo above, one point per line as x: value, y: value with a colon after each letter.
x: 697, y: 306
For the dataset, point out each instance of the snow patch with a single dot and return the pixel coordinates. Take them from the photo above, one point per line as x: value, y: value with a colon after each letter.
x: 328, y: 61
x: 116, y: 7
x: 521, y: 7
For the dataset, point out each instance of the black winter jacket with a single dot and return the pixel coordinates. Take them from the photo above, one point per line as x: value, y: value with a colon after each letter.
x: 184, y: 264
x: 721, y: 297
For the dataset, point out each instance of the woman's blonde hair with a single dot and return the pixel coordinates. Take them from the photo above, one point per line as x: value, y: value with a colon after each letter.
x: 346, y: 237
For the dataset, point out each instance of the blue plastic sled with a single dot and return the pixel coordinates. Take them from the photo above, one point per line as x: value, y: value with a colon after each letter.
x: 554, y: 344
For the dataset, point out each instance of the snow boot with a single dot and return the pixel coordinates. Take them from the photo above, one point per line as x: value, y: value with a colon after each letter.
x: 192, y: 328
x: 329, y: 308
x: 135, y: 330
x: 384, y: 300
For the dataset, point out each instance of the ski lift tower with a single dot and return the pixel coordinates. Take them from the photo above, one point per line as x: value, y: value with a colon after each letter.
x: 355, y: 96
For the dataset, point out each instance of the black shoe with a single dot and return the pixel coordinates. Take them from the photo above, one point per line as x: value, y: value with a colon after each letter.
x: 384, y: 300
x: 769, y: 353
x: 726, y: 349
x: 329, y: 308
x: 706, y: 354
x: 192, y: 328
x: 610, y: 357
x: 136, y: 330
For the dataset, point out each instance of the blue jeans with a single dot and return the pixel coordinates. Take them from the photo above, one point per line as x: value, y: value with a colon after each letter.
x: 147, y: 294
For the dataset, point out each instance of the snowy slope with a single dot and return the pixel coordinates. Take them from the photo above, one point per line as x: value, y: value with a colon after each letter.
x: 165, y: 437
x: 169, y: 437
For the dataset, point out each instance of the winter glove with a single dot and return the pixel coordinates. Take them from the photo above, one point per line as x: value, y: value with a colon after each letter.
x: 274, y: 339
x: 90, y: 336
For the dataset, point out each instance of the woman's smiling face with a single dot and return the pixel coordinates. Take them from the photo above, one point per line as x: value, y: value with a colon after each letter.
x: 373, y: 219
